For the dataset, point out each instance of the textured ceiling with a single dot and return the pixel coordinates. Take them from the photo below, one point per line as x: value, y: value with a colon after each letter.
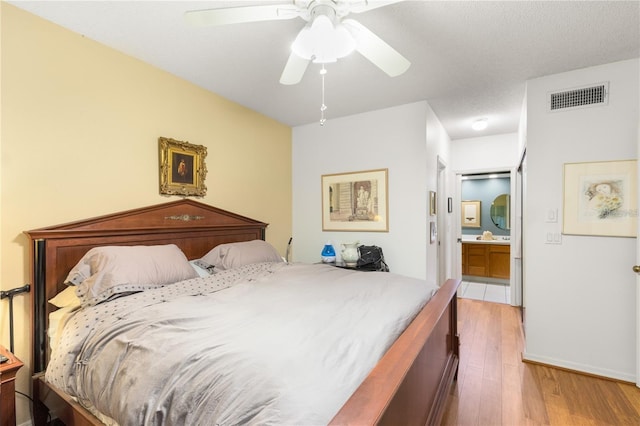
x: 469, y: 59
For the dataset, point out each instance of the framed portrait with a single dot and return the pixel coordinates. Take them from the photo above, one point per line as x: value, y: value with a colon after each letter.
x: 470, y: 214
x: 182, y: 168
x: 600, y: 198
x: 432, y: 203
x: 355, y: 201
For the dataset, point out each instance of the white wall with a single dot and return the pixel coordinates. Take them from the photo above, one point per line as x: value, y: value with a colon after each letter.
x: 580, y: 295
x: 486, y: 153
x: 439, y: 154
x: 393, y: 138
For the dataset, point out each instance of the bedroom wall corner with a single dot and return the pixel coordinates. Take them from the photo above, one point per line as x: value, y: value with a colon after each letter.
x: 79, y: 139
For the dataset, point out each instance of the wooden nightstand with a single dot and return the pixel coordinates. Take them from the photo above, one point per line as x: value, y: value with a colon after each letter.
x: 8, y: 372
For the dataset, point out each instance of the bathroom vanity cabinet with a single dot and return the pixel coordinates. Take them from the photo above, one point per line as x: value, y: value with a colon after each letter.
x: 486, y: 259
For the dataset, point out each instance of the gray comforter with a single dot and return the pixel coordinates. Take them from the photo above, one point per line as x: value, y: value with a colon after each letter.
x: 268, y: 343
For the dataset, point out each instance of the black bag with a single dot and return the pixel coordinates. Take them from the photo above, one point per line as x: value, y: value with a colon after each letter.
x: 371, y: 259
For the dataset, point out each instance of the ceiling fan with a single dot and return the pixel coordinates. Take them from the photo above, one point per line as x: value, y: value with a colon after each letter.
x: 326, y: 37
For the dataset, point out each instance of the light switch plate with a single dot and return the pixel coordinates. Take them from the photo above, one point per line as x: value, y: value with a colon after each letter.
x: 553, y: 237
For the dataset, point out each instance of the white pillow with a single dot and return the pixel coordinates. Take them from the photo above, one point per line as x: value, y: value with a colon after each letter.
x: 234, y: 255
x: 106, y: 272
x: 57, y: 321
x: 66, y: 298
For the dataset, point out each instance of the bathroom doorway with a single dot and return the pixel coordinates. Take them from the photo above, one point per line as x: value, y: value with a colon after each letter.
x: 486, y: 231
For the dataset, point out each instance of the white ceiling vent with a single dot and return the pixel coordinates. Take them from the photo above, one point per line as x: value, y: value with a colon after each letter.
x: 579, y: 97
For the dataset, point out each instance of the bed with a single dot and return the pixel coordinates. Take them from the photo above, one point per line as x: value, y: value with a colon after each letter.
x: 408, y: 384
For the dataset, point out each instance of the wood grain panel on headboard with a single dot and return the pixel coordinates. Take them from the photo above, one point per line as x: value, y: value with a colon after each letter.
x: 194, y: 227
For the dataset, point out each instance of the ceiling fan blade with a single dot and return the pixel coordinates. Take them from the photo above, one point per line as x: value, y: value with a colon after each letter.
x: 366, y: 5
x: 376, y: 50
x: 294, y: 69
x: 237, y: 15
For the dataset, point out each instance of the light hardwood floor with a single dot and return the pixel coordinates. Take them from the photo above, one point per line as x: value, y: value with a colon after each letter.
x: 495, y: 387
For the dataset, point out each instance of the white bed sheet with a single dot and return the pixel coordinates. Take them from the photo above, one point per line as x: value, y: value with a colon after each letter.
x: 262, y: 344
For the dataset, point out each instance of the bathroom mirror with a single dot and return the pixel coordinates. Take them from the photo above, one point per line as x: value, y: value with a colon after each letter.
x: 500, y: 214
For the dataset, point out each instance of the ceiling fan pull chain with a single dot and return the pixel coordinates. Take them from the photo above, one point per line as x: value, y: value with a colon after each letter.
x: 323, y: 72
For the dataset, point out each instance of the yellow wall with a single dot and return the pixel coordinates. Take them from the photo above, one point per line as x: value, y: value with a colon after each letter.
x: 79, y: 129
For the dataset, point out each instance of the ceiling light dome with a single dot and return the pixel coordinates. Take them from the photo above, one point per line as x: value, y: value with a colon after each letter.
x: 322, y: 41
x: 480, y: 124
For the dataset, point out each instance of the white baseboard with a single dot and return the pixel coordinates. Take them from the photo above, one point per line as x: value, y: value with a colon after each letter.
x: 580, y: 368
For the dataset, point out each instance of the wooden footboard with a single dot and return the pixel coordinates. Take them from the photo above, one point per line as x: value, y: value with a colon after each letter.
x: 410, y: 384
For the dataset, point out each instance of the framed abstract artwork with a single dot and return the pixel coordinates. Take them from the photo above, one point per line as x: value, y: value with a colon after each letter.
x: 600, y: 198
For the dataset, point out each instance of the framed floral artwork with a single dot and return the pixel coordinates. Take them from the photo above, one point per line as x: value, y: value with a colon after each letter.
x: 600, y: 198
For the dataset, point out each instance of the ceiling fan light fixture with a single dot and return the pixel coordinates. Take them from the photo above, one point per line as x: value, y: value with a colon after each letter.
x: 323, y: 42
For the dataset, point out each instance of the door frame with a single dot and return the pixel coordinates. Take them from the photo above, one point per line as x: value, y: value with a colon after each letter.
x: 638, y: 274
x: 516, y: 232
x: 443, y: 236
x: 519, y: 175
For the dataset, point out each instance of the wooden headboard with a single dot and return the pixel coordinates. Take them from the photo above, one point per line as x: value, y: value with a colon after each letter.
x: 194, y: 227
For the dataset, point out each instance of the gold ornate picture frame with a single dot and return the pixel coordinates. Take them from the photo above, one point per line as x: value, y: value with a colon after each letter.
x: 182, y: 168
